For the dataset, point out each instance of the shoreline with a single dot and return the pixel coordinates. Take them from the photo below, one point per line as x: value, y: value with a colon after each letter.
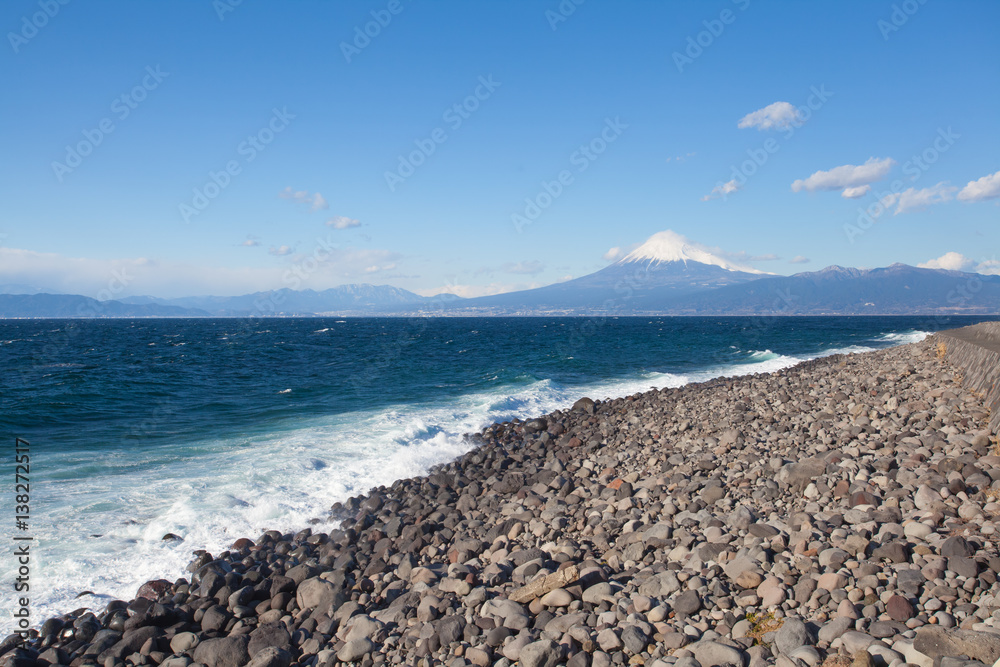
x: 632, y: 507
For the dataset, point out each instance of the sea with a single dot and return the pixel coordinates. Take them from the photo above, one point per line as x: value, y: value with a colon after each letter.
x: 216, y: 429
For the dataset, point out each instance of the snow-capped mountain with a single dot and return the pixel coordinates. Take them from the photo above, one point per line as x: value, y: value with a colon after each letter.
x: 666, y: 266
x: 669, y: 246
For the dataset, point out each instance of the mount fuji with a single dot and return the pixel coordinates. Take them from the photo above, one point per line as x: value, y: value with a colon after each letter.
x: 663, y: 268
x: 666, y: 275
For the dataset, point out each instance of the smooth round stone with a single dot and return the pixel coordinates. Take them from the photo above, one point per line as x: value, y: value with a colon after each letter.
x: 846, y: 609
x: 899, y: 608
x: 749, y: 579
x: 558, y: 597
x: 183, y: 641
x: 969, y: 511
x: 887, y: 654
x: 609, y: 640
x: 597, y: 593
x: 657, y: 614
x: 806, y: 654
x: 917, y: 530
x: 831, y: 581
x: 944, y: 619
x: 741, y: 629
x: 771, y: 594
x: 642, y: 603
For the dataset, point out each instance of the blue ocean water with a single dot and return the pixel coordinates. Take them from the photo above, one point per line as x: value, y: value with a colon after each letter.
x: 215, y: 429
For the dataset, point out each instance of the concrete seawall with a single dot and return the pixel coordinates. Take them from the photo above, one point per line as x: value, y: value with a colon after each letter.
x: 976, y: 351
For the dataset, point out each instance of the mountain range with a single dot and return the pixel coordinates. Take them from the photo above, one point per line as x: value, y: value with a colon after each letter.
x: 666, y: 275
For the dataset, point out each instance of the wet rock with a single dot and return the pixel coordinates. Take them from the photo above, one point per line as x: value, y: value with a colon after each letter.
x: 268, y: 635
x: 154, y: 590
x: 223, y: 651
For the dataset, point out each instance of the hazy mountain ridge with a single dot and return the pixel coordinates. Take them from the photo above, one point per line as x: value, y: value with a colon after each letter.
x: 666, y: 275
x: 75, y: 306
x: 896, y: 289
x: 349, y: 298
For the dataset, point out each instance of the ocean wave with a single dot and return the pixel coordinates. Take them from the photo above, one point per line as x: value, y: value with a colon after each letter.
x: 102, y: 531
x: 903, y: 337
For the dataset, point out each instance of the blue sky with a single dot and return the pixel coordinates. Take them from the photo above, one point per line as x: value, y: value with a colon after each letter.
x: 221, y: 147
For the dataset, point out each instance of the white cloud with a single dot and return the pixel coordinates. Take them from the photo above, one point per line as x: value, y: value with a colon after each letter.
x: 778, y: 114
x: 316, y: 201
x: 251, y: 242
x: 375, y: 268
x: 956, y: 261
x: 987, y: 187
x: 530, y: 268
x: 769, y: 257
x: 846, y: 176
x: 854, y: 193
x: 616, y: 253
x: 342, y: 222
x: 952, y: 261
x: 681, y: 158
x: 722, y: 190
x: 914, y: 200
x: 116, y: 278
x: 281, y: 251
x: 799, y: 259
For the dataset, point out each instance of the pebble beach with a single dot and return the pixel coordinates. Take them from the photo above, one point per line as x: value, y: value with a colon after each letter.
x: 845, y: 511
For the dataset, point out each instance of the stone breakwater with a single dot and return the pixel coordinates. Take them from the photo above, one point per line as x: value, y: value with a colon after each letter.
x: 976, y: 350
x: 841, y: 512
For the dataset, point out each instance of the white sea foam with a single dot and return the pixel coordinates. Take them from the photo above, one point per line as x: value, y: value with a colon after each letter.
x: 99, y: 523
x: 903, y: 337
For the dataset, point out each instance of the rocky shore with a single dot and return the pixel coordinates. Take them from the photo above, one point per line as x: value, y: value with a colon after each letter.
x: 841, y: 512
